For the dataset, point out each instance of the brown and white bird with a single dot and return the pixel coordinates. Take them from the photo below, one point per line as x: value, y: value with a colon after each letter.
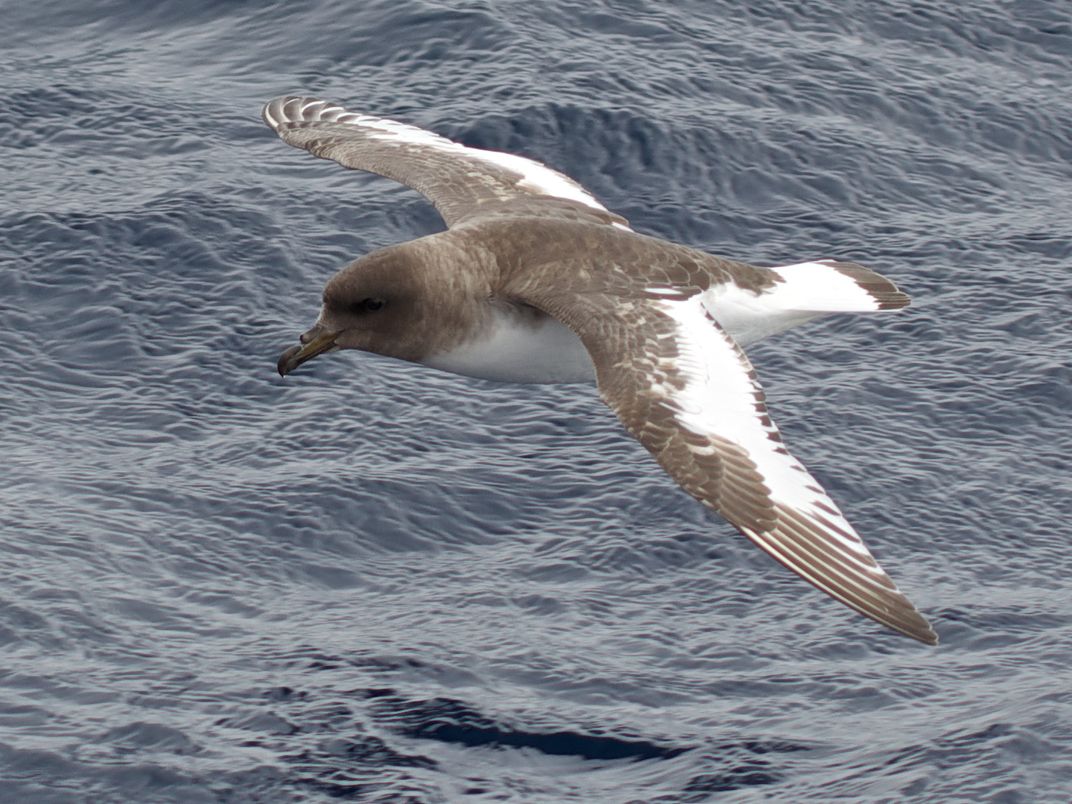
x: 535, y: 281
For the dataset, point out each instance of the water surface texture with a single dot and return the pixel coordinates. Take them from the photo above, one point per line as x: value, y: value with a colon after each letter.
x: 377, y: 582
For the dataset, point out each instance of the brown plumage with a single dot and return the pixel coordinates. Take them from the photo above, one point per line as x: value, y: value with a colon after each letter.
x: 532, y: 264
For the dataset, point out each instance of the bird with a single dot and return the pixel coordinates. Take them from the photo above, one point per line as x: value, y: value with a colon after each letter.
x: 535, y: 281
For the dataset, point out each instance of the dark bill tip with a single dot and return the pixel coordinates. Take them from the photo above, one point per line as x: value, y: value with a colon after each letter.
x: 286, y: 362
x: 296, y: 355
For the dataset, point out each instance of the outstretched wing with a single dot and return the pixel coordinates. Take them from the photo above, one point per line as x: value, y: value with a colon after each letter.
x: 688, y: 393
x: 463, y: 183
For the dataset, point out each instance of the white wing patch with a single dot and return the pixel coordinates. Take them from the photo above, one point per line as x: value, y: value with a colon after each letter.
x: 820, y: 287
x: 807, y: 290
x: 537, y: 177
x: 687, y: 392
x: 721, y: 398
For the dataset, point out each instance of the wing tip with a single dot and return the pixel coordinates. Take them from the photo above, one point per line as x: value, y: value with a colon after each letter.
x: 929, y: 636
x: 272, y: 113
x: 292, y: 109
x: 909, y: 622
x: 868, y: 590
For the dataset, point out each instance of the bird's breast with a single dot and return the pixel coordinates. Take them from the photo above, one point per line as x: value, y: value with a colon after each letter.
x: 527, y: 347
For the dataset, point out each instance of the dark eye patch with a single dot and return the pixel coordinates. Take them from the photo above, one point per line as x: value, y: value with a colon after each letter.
x: 369, y: 305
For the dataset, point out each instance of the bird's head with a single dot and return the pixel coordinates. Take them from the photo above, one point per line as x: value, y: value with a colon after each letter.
x: 391, y: 302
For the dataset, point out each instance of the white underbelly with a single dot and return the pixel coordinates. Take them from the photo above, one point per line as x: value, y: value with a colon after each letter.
x: 520, y: 349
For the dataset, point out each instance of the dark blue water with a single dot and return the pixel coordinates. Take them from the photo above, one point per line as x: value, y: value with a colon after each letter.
x: 379, y: 582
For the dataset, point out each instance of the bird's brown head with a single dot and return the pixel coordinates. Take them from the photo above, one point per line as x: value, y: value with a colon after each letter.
x: 379, y: 303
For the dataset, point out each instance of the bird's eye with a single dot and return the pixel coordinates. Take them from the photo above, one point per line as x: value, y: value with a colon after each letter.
x: 367, y: 305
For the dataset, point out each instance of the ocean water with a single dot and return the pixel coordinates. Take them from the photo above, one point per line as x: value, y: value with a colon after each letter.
x: 376, y: 582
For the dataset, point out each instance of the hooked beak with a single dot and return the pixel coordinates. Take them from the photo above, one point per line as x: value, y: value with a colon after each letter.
x: 313, y: 344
